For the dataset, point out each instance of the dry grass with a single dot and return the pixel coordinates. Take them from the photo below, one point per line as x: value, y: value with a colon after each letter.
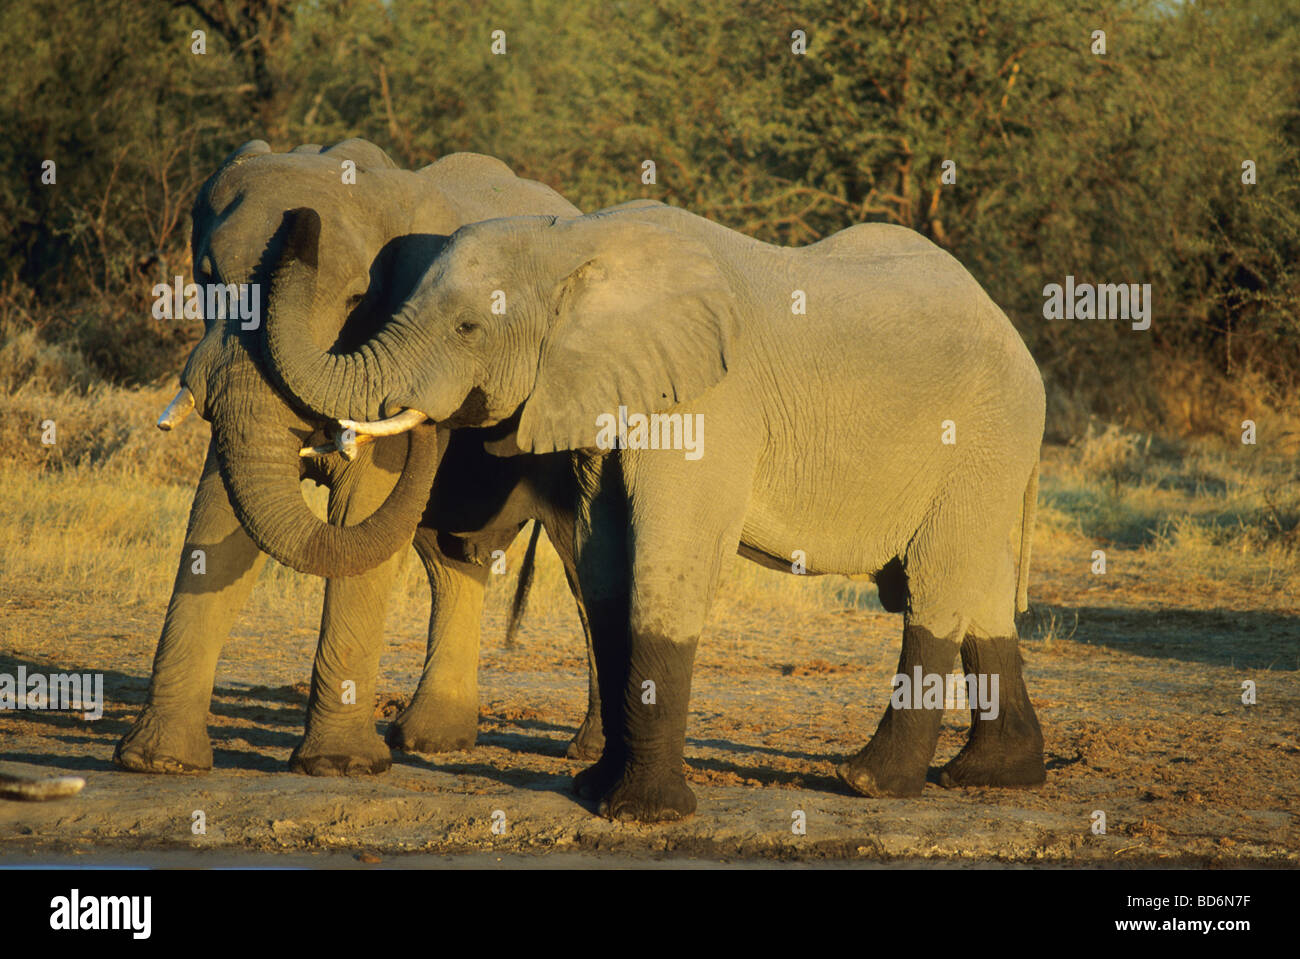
x: 1215, y: 522
x: 99, y: 518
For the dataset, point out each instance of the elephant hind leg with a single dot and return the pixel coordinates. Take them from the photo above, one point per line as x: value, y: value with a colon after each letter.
x: 961, y: 591
x: 1006, y: 743
x: 1005, y: 747
x: 443, y: 714
x: 897, y: 759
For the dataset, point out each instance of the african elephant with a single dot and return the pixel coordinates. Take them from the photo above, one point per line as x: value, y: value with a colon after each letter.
x: 248, y: 502
x: 891, y: 427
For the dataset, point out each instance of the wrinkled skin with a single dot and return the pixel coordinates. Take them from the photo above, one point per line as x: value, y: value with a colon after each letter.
x: 825, y: 435
x: 248, y: 502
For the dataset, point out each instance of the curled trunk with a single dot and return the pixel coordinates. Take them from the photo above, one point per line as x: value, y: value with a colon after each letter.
x: 339, y: 386
x: 258, y: 454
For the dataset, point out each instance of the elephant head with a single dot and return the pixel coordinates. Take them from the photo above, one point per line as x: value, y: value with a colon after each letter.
x: 559, y: 320
x: 238, y: 231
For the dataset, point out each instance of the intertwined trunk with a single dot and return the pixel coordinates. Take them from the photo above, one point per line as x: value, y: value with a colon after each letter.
x: 258, y: 453
x: 352, y: 386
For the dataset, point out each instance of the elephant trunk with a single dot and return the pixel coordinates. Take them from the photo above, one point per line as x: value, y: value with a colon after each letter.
x: 257, y: 451
x: 339, y: 386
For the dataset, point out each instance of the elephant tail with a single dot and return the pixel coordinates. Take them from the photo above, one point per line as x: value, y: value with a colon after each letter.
x: 1026, y: 541
x: 524, y: 585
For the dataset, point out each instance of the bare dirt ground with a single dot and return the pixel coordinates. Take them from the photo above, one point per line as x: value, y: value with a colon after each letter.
x: 1136, y: 675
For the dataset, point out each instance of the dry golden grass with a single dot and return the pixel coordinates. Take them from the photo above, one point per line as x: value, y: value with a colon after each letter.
x: 99, y: 517
x: 1213, y: 517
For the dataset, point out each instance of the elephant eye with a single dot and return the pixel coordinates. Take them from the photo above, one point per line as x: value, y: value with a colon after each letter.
x: 466, y: 327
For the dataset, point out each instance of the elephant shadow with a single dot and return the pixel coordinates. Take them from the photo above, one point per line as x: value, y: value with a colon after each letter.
x: 120, y: 692
x: 516, y: 778
x: 124, y: 695
x: 271, y: 718
x: 272, y: 705
x: 523, y: 743
x: 1245, y: 639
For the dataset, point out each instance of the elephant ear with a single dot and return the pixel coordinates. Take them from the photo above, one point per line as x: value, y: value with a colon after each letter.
x: 365, y: 154
x: 646, y: 321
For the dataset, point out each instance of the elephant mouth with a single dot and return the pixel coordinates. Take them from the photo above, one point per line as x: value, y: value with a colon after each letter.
x: 408, y: 419
x: 351, y: 435
x: 348, y: 439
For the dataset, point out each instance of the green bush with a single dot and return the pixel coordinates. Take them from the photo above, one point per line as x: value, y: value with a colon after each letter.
x: 1117, y: 168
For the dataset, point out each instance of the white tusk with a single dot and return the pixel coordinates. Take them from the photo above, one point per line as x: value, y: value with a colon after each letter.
x: 353, y: 434
x: 179, y: 408
x: 340, y: 445
x: 403, y: 421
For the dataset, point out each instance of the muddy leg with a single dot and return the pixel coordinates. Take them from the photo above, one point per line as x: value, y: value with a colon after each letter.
x: 897, y: 759
x: 685, y: 524
x: 1005, y: 748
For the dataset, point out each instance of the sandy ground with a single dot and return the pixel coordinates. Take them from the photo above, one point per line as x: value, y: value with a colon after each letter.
x: 1141, y: 710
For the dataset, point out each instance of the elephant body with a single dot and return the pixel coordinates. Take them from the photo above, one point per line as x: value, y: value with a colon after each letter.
x: 892, y: 429
x: 383, y: 227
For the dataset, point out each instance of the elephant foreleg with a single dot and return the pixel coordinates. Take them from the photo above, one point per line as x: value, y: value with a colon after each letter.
x: 443, y: 714
x: 589, y: 741
x: 340, y: 736
x: 684, y: 524
x: 602, y: 571
x: 217, y: 569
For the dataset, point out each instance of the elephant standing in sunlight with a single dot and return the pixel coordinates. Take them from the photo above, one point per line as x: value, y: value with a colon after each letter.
x: 891, y: 428
x: 384, y: 228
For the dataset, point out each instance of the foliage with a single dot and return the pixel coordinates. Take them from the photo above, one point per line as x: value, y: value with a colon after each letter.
x: 1124, y: 167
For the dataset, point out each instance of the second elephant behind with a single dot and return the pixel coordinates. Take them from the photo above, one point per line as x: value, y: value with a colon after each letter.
x: 248, y: 503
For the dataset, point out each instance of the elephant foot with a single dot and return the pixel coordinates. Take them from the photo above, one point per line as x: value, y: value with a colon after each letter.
x: 588, y: 742
x: 997, y: 761
x: 882, y: 772
x: 598, y: 779
x: 969, y: 769
x: 1006, y: 742
x: 1005, y: 746
x: 649, y: 796
x: 361, y: 754
x: 418, y: 733
x: 879, y: 784
x: 157, y: 745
